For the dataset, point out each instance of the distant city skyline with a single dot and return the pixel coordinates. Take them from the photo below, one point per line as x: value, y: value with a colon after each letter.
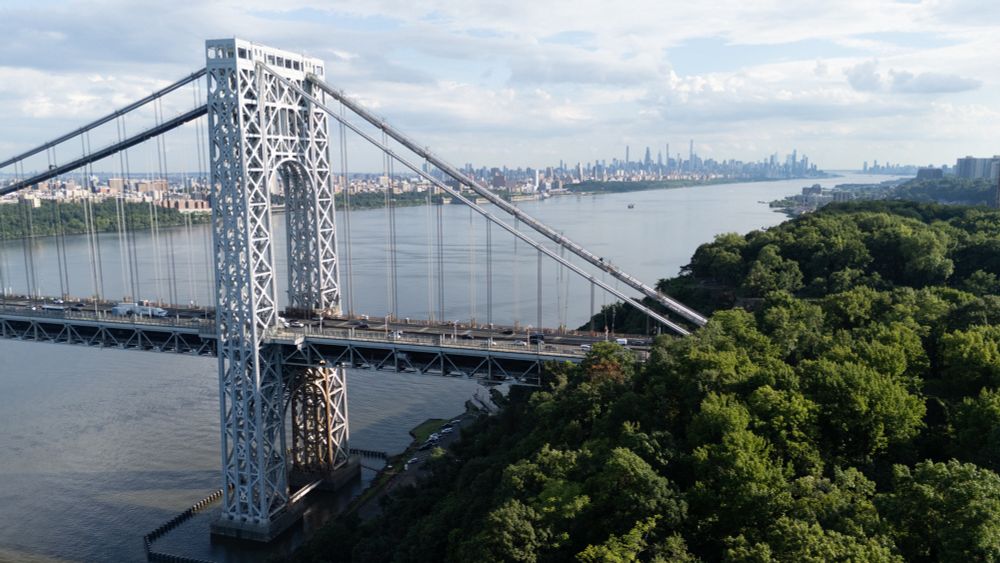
x: 529, y: 84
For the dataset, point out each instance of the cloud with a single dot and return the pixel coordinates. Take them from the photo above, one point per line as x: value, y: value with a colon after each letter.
x: 864, y: 77
x: 931, y: 83
x: 523, y: 80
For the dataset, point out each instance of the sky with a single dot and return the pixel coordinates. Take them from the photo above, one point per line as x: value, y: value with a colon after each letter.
x: 530, y: 83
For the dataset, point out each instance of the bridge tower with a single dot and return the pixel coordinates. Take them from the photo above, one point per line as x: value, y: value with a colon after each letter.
x: 261, y: 134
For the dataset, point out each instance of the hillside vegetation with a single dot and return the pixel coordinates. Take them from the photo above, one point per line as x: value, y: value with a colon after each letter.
x: 852, y: 415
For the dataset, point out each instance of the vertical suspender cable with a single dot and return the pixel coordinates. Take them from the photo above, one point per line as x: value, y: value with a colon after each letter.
x: 489, y: 275
x: 62, y: 236
x: 591, y: 308
x: 165, y: 174
x: 56, y: 232
x: 121, y: 209
x: 155, y: 235
x: 430, y: 255
x: 154, y: 228
x: 88, y: 221
x: 559, y: 295
x: 439, y: 211
x: 565, y: 311
x: 538, y: 298
x: 393, y: 256
x: 347, y: 215
x: 27, y: 232
x: 189, y: 245
x: 472, y: 269
x: 517, y: 282
x: 119, y: 223
x: 4, y: 267
x: 203, y: 174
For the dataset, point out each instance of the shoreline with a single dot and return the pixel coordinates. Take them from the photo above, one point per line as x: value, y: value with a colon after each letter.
x: 373, y: 201
x: 399, y: 472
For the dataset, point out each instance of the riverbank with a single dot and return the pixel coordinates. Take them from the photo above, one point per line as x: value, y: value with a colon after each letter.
x: 596, y: 187
x: 55, y: 217
x: 407, y: 467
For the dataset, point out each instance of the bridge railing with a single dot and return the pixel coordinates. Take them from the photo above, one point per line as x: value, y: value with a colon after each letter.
x: 203, y: 325
x: 440, y: 340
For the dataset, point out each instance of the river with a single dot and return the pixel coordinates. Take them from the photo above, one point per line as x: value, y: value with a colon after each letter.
x: 101, y: 446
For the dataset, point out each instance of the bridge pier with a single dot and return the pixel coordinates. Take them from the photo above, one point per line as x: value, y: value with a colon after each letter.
x: 319, y: 457
x: 319, y: 424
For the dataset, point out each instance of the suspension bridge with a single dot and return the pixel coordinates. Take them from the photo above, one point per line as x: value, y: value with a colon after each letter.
x: 262, y: 128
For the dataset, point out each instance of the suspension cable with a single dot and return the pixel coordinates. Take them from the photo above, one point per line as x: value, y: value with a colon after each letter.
x: 472, y: 204
x: 480, y: 190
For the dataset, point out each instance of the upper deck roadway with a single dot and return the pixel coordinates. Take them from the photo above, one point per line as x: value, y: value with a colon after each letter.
x: 450, y: 349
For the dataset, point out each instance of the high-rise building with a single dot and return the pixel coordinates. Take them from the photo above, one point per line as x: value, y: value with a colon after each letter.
x: 971, y: 167
x: 691, y: 155
x: 626, y: 155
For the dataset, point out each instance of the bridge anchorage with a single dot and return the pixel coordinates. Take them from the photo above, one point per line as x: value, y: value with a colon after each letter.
x: 268, y: 113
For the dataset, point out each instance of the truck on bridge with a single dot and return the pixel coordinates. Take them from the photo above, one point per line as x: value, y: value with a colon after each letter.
x: 130, y: 309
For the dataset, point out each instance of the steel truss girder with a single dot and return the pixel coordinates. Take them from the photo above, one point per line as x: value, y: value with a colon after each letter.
x: 482, y: 365
x: 152, y: 338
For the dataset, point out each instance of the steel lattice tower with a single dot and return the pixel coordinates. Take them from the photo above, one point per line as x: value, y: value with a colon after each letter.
x: 262, y: 132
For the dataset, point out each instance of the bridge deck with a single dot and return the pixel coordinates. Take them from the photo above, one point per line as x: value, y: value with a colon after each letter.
x: 438, y: 354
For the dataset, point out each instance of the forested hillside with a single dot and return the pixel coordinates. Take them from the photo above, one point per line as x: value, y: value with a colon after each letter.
x: 853, y: 414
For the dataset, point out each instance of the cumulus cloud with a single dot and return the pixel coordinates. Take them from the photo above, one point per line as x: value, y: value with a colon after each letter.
x: 931, y: 83
x: 864, y: 77
x: 522, y: 80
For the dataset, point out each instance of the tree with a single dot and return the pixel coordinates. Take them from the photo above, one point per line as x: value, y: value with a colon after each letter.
x: 970, y: 358
x: 976, y: 428
x: 620, y: 549
x: 627, y: 489
x: 771, y: 272
x: 861, y: 411
x: 944, y: 512
x: 720, y: 260
x: 740, y: 488
x: 796, y: 541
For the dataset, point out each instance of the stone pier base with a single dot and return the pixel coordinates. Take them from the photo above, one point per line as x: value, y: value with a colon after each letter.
x: 345, y: 475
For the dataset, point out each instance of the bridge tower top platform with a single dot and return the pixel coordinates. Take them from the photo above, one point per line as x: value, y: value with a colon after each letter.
x: 294, y: 66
